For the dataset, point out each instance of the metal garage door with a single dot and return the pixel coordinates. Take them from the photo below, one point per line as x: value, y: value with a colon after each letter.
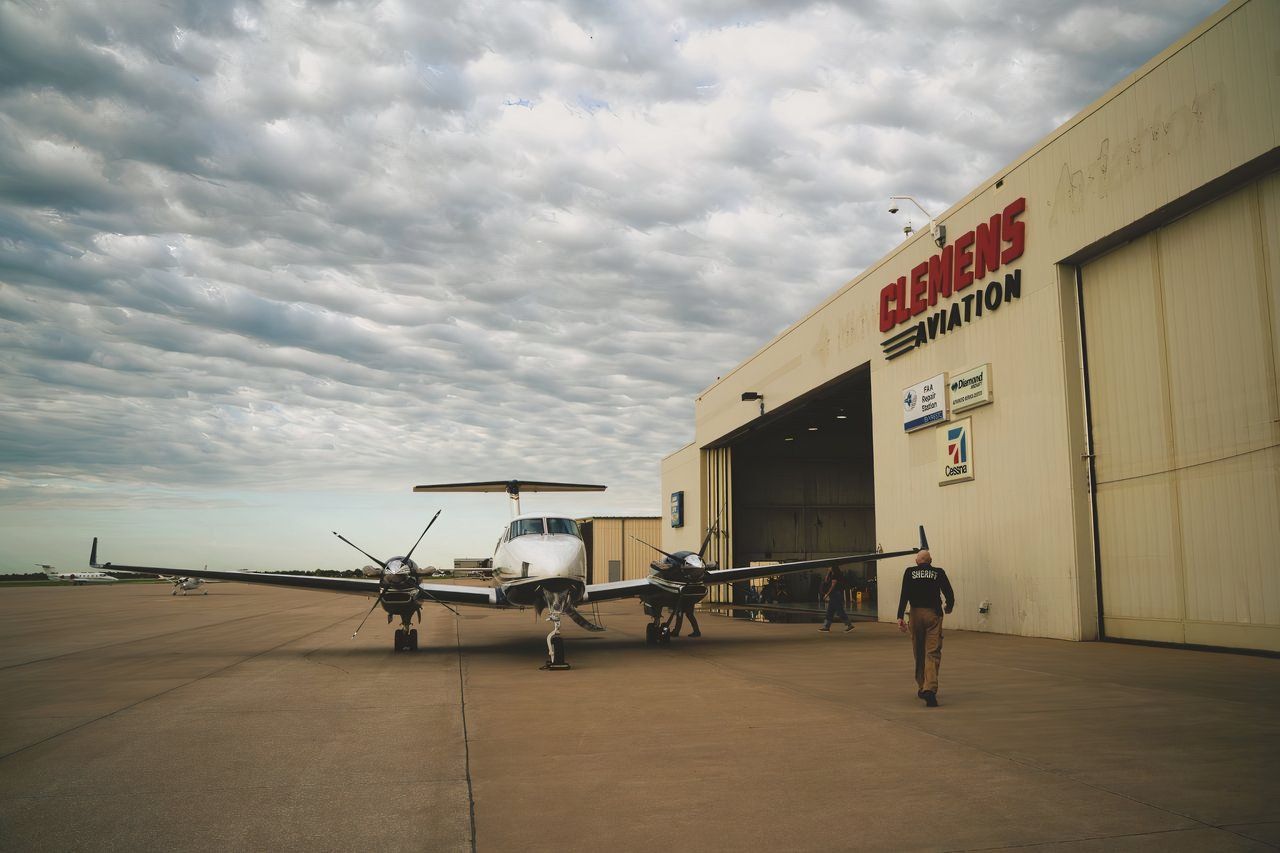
x: 1181, y: 331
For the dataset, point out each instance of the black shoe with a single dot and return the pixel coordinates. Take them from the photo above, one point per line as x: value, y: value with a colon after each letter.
x: 930, y: 698
x: 696, y: 634
x: 920, y: 694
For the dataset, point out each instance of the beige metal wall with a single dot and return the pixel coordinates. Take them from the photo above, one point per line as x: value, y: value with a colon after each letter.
x: 615, y: 539
x: 682, y: 471
x: 1180, y: 329
x: 1019, y: 535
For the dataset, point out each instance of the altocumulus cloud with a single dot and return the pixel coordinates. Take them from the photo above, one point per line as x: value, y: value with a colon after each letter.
x: 262, y: 247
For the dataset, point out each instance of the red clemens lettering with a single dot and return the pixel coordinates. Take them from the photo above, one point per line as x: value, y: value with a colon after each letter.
x: 986, y: 256
x: 974, y: 255
x: 1015, y: 231
x: 904, y: 307
x: 940, y: 275
x: 887, y: 316
x: 964, y: 275
x: 918, y: 303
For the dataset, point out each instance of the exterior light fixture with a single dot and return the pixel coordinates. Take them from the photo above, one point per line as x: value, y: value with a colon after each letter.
x: 789, y: 438
x: 939, y: 232
x: 749, y: 396
x: 842, y: 416
x: 813, y: 429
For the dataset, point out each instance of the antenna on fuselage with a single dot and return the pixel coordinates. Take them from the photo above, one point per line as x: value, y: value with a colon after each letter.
x: 511, y: 487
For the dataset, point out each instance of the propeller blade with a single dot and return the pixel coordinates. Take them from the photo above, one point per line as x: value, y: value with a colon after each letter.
x: 438, y: 601
x: 361, y: 550
x: 711, y: 531
x: 376, y: 602
x: 424, y: 533
x: 654, y: 547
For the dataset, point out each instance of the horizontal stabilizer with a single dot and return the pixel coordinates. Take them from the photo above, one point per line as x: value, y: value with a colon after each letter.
x: 924, y: 540
x: 511, y: 487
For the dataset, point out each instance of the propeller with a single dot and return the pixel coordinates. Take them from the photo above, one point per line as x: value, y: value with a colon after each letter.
x: 711, y: 531
x: 682, y: 561
x: 408, y: 564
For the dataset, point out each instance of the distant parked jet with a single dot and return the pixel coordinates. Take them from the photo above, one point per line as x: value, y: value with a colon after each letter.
x: 75, y: 578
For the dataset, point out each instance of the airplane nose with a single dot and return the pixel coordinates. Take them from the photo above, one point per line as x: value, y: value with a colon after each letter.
x: 552, y: 556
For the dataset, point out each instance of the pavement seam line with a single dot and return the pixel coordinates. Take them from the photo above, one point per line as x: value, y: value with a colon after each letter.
x: 466, y: 737
x: 171, y: 689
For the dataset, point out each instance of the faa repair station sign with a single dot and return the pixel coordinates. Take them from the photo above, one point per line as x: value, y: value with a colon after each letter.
x: 924, y: 403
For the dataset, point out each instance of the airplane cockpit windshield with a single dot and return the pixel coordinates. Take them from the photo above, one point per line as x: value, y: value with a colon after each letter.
x: 563, y: 525
x: 527, y: 526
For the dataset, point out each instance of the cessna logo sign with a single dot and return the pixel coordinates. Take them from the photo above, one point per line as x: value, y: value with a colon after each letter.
x: 993, y: 246
x: 955, y: 446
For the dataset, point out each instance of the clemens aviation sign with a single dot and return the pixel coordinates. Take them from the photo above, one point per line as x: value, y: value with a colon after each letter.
x: 992, y: 246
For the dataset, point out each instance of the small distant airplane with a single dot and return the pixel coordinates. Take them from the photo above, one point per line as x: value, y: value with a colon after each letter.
x: 185, y: 585
x: 75, y: 578
x: 539, y: 561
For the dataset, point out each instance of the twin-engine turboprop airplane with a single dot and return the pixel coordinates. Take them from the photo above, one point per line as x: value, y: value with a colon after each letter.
x: 539, y: 561
x: 75, y: 578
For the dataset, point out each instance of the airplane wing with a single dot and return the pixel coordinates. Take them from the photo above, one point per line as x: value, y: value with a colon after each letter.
x: 630, y: 588
x: 749, y: 572
x: 482, y: 596
x: 356, y: 585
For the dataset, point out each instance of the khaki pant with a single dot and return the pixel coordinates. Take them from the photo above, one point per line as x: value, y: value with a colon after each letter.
x: 926, y: 642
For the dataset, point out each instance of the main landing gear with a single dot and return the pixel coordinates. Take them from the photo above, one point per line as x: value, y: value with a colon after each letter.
x: 407, y: 640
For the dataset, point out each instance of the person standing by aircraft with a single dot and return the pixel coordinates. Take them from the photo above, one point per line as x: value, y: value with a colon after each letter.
x: 833, y: 586
x: 685, y: 608
x: 925, y: 585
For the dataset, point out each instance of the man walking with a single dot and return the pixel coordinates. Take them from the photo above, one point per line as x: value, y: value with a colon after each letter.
x: 833, y: 587
x: 924, y: 585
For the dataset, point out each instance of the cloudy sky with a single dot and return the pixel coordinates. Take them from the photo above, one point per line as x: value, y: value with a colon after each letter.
x: 265, y: 266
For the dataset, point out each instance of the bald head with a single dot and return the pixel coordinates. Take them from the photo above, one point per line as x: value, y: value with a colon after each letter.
x: 923, y: 557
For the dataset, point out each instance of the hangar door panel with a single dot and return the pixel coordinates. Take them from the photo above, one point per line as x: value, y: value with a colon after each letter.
x: 1182, y: 360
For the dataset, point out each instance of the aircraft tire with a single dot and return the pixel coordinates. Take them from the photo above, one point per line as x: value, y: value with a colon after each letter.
x: 651, y: 634
x: 413, y: 640
x: 400, y: 640
x: 664, y: 637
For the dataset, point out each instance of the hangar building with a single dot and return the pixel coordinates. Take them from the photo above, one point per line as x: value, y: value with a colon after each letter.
x: 1073, y: 387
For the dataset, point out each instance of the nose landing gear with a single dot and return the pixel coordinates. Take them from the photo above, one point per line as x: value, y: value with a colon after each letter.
x: 406, y: 640
x: 656, y: 634
x: 556, y: 604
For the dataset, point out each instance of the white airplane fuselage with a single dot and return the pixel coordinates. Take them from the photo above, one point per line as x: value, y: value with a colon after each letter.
x: 78, y: 578
x: 540, y: 552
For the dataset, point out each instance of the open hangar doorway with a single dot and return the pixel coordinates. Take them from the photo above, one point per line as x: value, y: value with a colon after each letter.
x: 804, y: 488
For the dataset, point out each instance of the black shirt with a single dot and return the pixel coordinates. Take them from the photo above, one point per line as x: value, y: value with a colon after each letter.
x: 924, y: 586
